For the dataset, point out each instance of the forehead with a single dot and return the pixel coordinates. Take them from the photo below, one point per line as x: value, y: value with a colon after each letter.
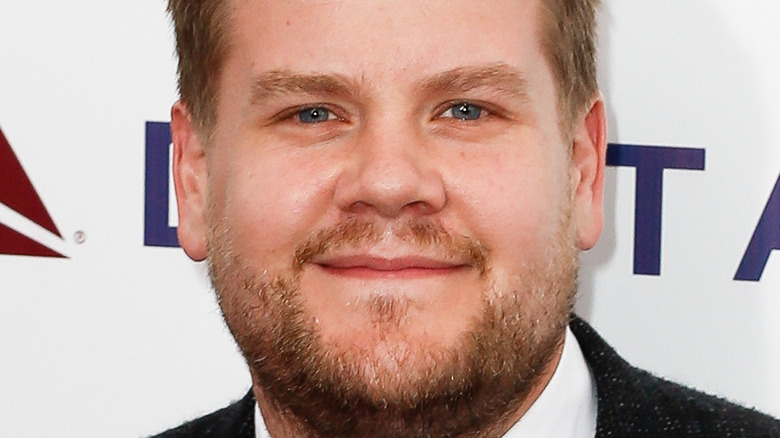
x: 375, y: 38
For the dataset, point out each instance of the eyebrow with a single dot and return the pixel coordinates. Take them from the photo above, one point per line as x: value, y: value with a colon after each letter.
x: 275, y: 83
x: 499, y: 76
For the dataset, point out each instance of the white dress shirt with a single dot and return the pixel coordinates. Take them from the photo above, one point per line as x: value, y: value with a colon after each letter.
x: 566, y: 408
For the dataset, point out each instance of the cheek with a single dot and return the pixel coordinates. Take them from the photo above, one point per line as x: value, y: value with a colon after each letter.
x: 514, y: 201
x: 270, y: 203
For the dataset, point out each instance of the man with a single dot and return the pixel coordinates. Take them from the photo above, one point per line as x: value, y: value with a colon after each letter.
x: 391, y: 197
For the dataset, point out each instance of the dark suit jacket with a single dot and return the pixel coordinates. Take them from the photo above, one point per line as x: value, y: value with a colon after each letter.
x: 631, y: 403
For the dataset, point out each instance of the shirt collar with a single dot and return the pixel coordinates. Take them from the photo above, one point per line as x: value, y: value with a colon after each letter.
x: 565, y: 409
x: 567, y: 406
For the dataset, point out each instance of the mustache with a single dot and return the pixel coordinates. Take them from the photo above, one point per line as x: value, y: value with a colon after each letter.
x: 422, y: 234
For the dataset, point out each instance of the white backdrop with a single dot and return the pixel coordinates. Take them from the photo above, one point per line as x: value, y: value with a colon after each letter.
x: 122, y: 339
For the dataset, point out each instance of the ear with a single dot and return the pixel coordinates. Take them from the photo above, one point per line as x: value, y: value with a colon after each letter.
x: 589, y: 151
x: 190, y: 178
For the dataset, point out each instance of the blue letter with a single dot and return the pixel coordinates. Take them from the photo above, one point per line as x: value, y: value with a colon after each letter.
x: 157, y: 232
x: 650, y: 162
x: 766, y: 238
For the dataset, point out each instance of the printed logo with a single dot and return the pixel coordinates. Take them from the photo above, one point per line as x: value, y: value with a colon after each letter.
x: 22, y: 213
x: 159, y: 202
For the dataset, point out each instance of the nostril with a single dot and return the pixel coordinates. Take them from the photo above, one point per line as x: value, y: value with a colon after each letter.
x: 421, y: 207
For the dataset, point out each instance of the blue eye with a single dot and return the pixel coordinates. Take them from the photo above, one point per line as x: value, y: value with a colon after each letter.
x: 314, y: 115
x: 464, y: 111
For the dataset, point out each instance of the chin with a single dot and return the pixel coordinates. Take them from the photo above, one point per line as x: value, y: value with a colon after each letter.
x: 387, y: 371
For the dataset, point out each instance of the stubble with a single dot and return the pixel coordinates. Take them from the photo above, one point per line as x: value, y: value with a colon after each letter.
x: 397, y: 387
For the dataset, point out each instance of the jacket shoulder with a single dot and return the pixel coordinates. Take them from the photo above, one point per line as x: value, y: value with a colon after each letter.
x: 635, y: 403
x: 236, y: 420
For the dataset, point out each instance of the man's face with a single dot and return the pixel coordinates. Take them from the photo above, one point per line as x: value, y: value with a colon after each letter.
x: 387, y: 202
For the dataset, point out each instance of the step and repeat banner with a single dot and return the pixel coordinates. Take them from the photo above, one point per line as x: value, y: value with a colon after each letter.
x: 108, y: 329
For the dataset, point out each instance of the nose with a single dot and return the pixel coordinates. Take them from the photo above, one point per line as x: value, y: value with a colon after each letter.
x: 390, y: 173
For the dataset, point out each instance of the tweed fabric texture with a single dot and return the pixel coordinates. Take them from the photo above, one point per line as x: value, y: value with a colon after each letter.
x: 634, y: 403
x: 234, y: 421
x: 631, y: 403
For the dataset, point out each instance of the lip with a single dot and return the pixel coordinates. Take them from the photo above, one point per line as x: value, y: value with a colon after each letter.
x: 369, y: 266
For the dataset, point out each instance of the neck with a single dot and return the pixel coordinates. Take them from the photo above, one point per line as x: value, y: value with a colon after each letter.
x: 514, y: 414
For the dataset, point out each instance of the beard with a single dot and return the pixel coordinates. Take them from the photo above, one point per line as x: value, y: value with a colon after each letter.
x: 469, y: 388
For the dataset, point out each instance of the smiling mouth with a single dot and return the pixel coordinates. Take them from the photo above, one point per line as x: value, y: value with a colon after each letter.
x: 373, y: 267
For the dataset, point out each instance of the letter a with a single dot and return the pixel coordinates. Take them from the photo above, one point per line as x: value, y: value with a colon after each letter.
x: 765, y: 238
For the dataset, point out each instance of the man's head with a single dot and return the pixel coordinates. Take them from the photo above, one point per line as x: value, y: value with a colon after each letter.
x: 391, y: 205
x: 568, y: 29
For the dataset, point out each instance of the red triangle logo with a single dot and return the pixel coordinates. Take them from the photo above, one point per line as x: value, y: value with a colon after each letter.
x: 15, y: 243
x: 18, y: 193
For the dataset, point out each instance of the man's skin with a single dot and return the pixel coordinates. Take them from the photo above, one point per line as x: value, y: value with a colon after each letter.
x: 344, y: 122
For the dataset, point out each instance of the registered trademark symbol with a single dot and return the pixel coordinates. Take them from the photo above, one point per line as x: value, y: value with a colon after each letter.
x: 80, y: 237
